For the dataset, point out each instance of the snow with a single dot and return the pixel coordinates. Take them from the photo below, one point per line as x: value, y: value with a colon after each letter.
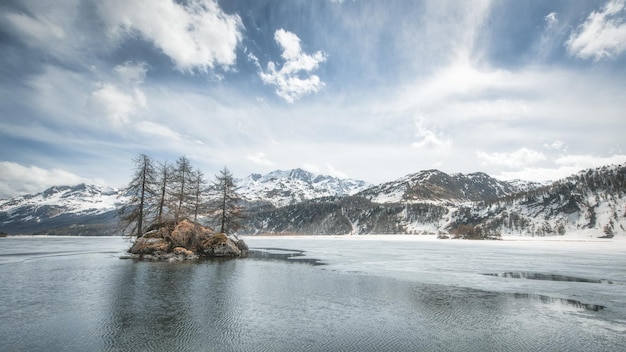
x: 281, y: 188
x: 76, y: 199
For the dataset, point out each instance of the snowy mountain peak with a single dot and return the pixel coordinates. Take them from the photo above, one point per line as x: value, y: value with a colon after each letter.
x: 59, y: 206
x: 280, y: 188
x: 437, y: 186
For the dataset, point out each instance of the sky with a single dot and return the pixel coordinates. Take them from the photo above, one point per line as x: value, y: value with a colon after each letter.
x: 364, y: 89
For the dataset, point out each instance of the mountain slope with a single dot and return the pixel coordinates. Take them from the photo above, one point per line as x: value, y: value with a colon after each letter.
x: 437, y: 186
x: 591, y: 201
x: 81, y: 209
x: 281, y: 188
x: 463, y: 206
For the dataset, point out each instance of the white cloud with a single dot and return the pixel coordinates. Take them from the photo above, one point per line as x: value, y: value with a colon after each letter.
x: 586, y: 161
x: 603, y: 34
x: 132, y: 73
x: 17, y: 179
x: 429, y: 139
x: 518, y: 158
x: 158, y: 130
x: 260, y: 158
x: 331, y: 171
x: 555, y: 145
x: 36, y: 30
x: 196, y: 35
x: 289, y: 84
x: 120, y: 101
x: 328, y: 170
x: 564, y: 166
x: 551, y: 19
x: 117, y: 105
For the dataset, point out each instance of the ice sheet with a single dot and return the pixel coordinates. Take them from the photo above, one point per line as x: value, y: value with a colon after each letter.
x: 473, y: 264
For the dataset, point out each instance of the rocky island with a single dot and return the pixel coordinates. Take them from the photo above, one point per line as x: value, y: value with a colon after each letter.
x: 185, y: 240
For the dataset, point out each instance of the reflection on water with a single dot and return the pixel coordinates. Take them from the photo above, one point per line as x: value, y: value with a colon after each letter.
x: 549, y: 277
x: 281, y: 254
x: 96, y: 302
x: 563, y: 301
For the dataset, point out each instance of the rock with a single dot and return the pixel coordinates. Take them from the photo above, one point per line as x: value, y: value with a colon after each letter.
x: 219, y: 245
x: 183, y: 251
x: 183, y: 241
x: 149, y: 245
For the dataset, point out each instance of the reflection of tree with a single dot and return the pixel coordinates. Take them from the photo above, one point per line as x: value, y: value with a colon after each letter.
x: 149, y: 307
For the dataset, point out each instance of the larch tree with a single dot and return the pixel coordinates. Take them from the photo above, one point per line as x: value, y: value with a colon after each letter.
x: 165, y: 175
x: 199, y: 196
x: 182, y: 188
x: 141, y: 195
x: 226, y: 203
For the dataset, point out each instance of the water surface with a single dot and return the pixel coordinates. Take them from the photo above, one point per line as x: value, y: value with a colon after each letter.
x: 75, y: 294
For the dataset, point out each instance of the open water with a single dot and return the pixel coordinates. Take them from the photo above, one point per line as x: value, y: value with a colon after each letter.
x: 312, y: 294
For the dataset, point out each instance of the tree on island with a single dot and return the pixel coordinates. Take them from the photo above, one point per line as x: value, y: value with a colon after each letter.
x: 141, y: 194
x: 169, y: 194
x: 226, y: 206
x: 165, y: 206
x: 182, y: 188
x: 165, y: 175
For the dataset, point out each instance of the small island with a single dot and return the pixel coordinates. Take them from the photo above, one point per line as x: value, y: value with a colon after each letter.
x: 165, y: 206
x: 185, y: 240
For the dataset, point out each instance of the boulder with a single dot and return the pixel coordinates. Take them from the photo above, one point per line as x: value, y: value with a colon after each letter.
x: 219, y: 245
x: 185, y: 240
x: 145, y: 245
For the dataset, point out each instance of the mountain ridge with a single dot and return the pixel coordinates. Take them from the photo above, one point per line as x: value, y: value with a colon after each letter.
x: 428, y: 201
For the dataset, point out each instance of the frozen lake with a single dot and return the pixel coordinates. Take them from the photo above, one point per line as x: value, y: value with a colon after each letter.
x: 374, y: 293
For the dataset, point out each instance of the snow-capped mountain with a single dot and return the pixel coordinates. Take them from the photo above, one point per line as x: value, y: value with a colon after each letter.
x: 436, y: 186
x: 281, y: 188
x: 82, y: 207
x: 428, y: 202
x: 590, y: 203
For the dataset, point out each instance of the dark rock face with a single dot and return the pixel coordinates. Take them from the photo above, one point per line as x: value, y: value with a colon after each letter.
x: 183, y: 241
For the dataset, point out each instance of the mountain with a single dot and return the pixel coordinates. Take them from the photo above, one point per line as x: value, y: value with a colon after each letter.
x: 282, y: 188
x: 589, y: 203
x: 466, y: 206
x: 92, y: 210
x: 592, y: 201
x: 77, y: 210
x: 437, y: 186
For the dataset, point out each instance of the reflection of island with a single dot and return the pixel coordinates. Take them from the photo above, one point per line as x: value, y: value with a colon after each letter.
x: 185, y: 240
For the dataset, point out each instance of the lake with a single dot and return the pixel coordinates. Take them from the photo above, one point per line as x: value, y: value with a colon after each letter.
x: 375, y: 293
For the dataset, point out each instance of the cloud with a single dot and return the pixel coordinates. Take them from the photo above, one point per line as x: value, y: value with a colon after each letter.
x: 260, y: 158
x: 551, y: 19
x: 158, y: 130
x: 602, y: 35
x: 428, y: 139
x: 329, y: 170
x: 555, y: 145
x: 36, y: 30
x: 17, y: 179
x: 564, y: 166
x: 195, y: 35
x: 586, y: 161
x: 518, y: 158
x: 117, y: 105
x: 289, y: 84
x: 120, y: 101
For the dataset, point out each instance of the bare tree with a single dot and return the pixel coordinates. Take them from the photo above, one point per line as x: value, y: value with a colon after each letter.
x: 165, y: 177
x: 141, y: 194
x: 199, y: 195
x: 182, y: 188
x: 226, y: 203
